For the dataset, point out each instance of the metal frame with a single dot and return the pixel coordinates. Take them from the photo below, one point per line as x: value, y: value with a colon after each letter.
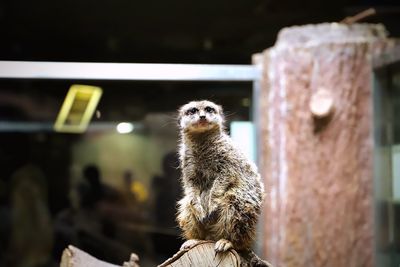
x: 133, y: 72
x: 389, y: 56
x: 129, y: 72
x: 27, y: 126
x: 381, y: 87
x: 137, y: 72
x: 126, y: 71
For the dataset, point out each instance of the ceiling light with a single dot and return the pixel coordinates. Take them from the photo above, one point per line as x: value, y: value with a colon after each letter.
x: 77, y: 109
x: 125, y: 127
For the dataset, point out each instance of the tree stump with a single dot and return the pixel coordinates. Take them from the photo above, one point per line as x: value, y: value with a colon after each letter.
x: 203, y: 255
x: 317, y: 151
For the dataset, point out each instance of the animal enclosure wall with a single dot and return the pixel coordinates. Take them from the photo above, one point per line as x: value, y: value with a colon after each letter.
x: 316, y: 141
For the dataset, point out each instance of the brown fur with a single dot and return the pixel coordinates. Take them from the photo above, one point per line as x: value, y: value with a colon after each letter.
x: 223, y: 192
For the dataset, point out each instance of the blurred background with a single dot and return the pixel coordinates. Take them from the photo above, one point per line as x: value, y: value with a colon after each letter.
x: 174, y: 31
x: 112, y: 189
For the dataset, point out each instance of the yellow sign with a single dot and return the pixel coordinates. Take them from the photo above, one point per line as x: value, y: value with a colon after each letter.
x: 78, y: 108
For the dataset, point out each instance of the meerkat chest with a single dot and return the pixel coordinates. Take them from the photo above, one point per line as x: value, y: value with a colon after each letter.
x: 203, y: 170
x: 205, y: 196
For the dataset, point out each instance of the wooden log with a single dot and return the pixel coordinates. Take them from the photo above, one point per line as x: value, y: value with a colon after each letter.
x: 318, y: 169
x: 200, y: 255
x: 74, y: 257
x: 203, y: 254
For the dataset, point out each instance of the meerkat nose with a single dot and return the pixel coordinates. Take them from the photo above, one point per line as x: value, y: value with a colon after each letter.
x: 202, y: 117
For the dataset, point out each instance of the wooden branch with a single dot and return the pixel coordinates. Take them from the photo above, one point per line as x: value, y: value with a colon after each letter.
x: 74, y: 257
x: 321, y: 104
x: 359, y: 16
x: 203, y: 254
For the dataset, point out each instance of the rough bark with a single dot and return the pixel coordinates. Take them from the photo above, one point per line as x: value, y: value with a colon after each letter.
x: 74, y: 257
x: 203, y: 254
x: 318, y: 171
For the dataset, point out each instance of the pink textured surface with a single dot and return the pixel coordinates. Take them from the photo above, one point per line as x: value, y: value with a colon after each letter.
x: 318, y: 173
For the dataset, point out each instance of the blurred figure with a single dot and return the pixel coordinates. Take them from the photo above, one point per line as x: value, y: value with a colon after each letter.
x: 98, y: 190
x: 31, y: 240
x: 167, y: 190
x: 92, y: 176
x: 84, y: 225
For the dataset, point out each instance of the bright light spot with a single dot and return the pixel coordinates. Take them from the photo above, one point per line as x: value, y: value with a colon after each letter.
x: 125, y: 127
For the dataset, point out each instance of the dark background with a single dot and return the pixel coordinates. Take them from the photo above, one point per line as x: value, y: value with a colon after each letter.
x: 175, y: 31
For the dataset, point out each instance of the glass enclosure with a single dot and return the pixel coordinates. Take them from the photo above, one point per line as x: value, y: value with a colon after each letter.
x: 387, y: 164
x: 109, y: 191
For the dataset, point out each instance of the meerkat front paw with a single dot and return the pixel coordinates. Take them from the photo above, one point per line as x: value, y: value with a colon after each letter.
x: 189, y: 244
x: 223, y: 245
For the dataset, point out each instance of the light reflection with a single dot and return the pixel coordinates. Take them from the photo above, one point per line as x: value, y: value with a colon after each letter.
x: 125, y: 127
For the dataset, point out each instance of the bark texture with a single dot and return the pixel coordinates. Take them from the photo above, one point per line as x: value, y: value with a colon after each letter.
x: 318, y: 171
x: 74, y: 257
x: 203, y: 254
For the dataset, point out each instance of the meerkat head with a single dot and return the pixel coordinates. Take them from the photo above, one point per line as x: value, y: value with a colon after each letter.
x: 201, y: 116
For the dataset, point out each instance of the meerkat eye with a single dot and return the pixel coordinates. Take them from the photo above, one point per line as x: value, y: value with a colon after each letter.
x: 191, y: 111
x: 210, y: 110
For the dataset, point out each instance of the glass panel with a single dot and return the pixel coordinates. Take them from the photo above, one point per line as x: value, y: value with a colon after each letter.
x: 387, y: 164
x: 110, y: 191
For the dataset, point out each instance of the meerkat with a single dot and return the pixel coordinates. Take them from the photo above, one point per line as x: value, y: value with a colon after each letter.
x: 223, y: 193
